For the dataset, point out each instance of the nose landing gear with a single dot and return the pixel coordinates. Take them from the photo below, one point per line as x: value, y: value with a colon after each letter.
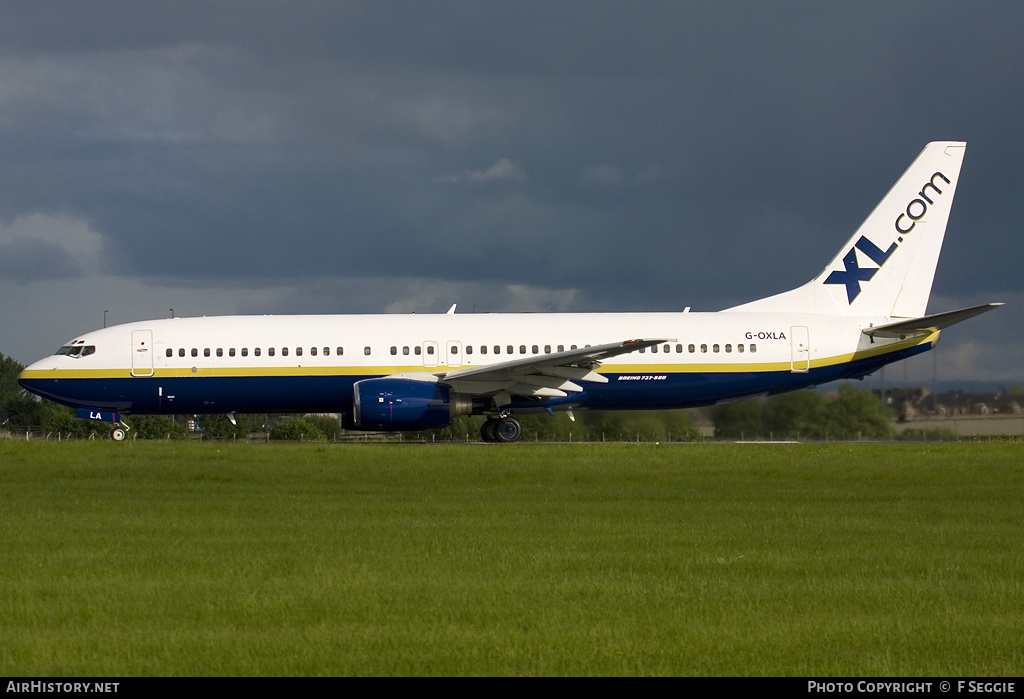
x: 120, y: 430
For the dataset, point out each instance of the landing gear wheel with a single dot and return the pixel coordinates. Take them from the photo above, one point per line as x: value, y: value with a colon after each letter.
x: 117, y: 434
x: 487, y: 431
x: 507, y: 429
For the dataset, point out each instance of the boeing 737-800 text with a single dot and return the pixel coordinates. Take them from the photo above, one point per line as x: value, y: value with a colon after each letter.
x: 412, y: 372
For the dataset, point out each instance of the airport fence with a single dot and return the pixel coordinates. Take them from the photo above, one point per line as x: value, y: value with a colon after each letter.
x: 38, y: 434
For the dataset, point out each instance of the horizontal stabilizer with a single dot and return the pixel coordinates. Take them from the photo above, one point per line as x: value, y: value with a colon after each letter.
x: 927, y: 323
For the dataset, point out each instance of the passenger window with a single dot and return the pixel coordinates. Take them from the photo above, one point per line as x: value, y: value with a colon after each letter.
x: 691, y: 349
x: 341, y: 351
x: 170, y: 352
x: 394, y: 350
x: 220, y: 351
x: 245, y: 352
x: 703, y: 348
x: 366, y: 351
x: 312, y: 351
x: 715, y: 348
x: 181, y: 352
x: 416, y: 350
x: 679, y: 349
x: 535, y: 349
x: 509, y: 350
x: 547, y: 349
x: 497, y: 349
x: 483, y: 349
x: 270, y: 351
x: 469, y: 349
x: 739, y: 348
x: 728, y: 349
x: 405, y: 350
x: 231, y: 352
x: 195, y: 352
x: 561, y: 348
x: 256, y: 352
x: 284, y: 351
x: 298, y: 351
x: 753, y: 348
x: 430, y: 349
x: 327, y: 351
x: 522, y: 349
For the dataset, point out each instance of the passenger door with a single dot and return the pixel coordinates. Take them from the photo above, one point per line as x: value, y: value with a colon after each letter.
x: 142, y: 352
x: 801, y: 347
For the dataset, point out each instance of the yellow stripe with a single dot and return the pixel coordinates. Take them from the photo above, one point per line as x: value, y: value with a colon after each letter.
x: 182, y: 372
x: 875, y: 351
x: 687, y: 368
x: 75, y: 374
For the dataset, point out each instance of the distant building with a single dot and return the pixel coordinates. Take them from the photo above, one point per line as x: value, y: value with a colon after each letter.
x: 916, y: 402
x: 959, y: 412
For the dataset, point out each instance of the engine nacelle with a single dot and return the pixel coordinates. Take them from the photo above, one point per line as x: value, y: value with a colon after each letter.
x: 402, y: 404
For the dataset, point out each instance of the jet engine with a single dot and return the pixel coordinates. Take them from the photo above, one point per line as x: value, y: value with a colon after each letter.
x: 405, y: 404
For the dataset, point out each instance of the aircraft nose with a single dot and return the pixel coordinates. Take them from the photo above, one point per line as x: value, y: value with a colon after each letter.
x: 31, y: 378
x: 25, y: 377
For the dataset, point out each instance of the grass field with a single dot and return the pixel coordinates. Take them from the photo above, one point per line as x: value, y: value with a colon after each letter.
x: 235, y: 559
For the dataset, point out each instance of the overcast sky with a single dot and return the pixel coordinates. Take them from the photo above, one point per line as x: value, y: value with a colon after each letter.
x: 336, y: 157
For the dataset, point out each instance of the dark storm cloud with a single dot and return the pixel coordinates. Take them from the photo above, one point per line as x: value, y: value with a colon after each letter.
x: 27, y: 260
x: 646, y: 155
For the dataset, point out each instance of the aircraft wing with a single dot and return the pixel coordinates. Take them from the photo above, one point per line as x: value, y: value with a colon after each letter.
x: 545, y: 375
x: 927, y: 324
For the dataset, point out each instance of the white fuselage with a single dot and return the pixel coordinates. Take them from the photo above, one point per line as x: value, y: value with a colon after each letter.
x: 309, y: 363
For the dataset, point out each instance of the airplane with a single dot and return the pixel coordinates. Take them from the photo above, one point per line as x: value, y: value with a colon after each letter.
x: 396, y: 372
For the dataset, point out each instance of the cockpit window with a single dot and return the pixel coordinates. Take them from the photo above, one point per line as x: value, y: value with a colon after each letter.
x: 77, y: 351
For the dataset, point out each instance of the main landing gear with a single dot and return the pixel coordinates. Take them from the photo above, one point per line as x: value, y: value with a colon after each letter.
x: 501, y: 429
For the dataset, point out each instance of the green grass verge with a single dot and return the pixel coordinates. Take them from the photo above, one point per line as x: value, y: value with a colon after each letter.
x: 235, y: 559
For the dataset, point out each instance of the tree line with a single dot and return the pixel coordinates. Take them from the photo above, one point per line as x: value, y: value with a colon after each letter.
x: 806, y: 415
x: 801, y: 415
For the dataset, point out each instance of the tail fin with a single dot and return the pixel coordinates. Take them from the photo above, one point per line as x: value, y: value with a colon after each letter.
x: 887, y: 267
